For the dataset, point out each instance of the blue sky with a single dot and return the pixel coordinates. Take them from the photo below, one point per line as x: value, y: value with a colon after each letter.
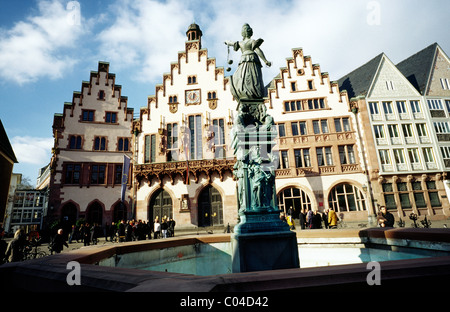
x: 48, y: 47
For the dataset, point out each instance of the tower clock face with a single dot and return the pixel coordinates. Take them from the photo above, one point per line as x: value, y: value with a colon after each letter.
x: 192, y: 96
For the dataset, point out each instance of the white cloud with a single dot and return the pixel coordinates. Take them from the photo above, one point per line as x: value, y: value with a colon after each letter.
x: 32, y: 150
x: 145, y: 35
x: 37, y: 47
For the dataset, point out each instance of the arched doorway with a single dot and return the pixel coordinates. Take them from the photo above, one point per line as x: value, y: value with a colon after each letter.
x: 119, y: 212
x: 69, y: 214
x: 345, y: 197
x: 210, y: 208
x: 295, y: 198
x: 95, y: 213
x: 160, y: 205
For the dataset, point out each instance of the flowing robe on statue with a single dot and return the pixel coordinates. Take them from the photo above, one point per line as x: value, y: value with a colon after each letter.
x: 247, y: 82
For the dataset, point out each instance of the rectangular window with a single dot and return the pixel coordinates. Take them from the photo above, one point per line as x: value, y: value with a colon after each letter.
x: 387, y: 107
x: 118, y: 174
x: 384, y: 157
x: 98, y: 174
x: 428, y: 154
x: 445, y: 150
x: 404, y: 200
x: 373, y: 107
x: 415, y: 106
x: 413, y: 155
x: 441, y: 127
x: 302, y: 158
x: 111, y: 117
x: 294, y: 128
x: 123, y: 144
x: 445, y: 83
x: 346, y: 124
x: 320, y: 160
x: 407, y: 130
x: 351, y: 154
x: 337, y: 125
x: 219, y: 137
x: 87, y: 115
x: 447, y: 104
x: 195, y: 127
x: 316, y: 103
x: 401, y: 107
x: 316, y: 126
x: 346, y: 154
x: 73, y: 174
x: 342, y: 124
x: 147, y: 149
x: 298, y: 128
x: 420, y: 200
x: 328, y: 156
x: 100, y: 144
x: 422, y: 130
x: 153, y: 148
x: 284, y: 160
x: 324, y: 126
x: 75, y: 142
x: 324, y: 156
x: 172, y: 141
x: 172, y: 135
x: 342, y: 155
x: 293, y: 106
x: 389, y: 199
x: 302, y: 125
x: 390, y: 85
x: 150, y: 148
x: 293, y: 86
x: 435, y: 104
x: 398, y: 156
x: 281, y: 130
x: 393, y: 131
x: 379, y: 132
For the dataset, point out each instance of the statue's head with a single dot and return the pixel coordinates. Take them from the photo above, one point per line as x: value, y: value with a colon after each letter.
x: 247, y: 31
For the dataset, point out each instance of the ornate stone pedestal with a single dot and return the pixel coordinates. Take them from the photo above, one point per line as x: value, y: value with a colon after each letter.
x: 261, y: 241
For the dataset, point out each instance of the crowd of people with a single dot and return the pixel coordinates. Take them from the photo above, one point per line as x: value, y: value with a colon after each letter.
x: 312, y: 219
x: 328, y: 219
x: 123, y: 231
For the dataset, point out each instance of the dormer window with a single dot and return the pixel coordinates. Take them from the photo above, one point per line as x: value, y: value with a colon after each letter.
x: 390, y: 85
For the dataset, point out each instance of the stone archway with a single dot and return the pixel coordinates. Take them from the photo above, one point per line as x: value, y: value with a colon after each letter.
x: 210, y: 207
x: 95, y: 213
x: 160, y: 205
x: 293, y: 197
x: 69, y: 216
x: 346, y: 197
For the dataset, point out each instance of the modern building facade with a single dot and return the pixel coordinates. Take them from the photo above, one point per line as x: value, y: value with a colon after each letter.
x: 92, y: 135
x: 406, y: 173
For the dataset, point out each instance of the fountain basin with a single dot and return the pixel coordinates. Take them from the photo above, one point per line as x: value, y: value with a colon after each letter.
x: 99, y: 274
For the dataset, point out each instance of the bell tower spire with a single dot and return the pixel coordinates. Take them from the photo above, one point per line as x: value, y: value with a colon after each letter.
x: 194, y: 34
